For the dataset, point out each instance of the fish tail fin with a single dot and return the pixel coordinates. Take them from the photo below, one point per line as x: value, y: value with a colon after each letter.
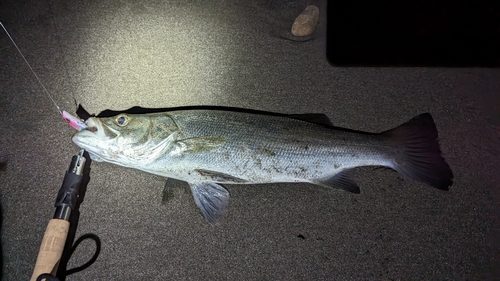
x: 418, y: 155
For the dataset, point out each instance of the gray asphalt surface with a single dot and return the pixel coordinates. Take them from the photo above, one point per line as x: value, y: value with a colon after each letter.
x: 119, y: 54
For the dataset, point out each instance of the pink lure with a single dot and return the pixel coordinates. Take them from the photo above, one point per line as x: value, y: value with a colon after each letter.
x: 73, y: 121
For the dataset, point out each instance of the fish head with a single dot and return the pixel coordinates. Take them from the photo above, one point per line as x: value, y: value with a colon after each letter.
x: 127, y: 139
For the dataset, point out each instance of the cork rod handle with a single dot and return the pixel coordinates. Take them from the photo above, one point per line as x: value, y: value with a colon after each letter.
x: 51, y: 248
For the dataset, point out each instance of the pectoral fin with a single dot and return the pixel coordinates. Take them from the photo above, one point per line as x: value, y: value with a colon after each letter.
x: 219, y: 177
x: 342, y: 180
x: 211, y: 198
x: 200, y: 144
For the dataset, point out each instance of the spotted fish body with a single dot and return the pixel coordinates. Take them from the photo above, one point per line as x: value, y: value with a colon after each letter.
x: 207, y: 148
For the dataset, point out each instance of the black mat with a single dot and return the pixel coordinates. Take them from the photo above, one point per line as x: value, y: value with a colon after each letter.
x: 414, y: 33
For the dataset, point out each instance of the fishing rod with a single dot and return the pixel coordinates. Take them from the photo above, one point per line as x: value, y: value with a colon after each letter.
x: 57, y: 243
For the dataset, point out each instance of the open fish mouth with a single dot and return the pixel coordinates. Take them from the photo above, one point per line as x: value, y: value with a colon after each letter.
x: 95, y: 139
x: 95, y: 133
x: 91, y: 125
x: 92, y: 134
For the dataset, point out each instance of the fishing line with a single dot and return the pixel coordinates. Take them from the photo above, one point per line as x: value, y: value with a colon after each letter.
x: 36, y: 76
x: 73, y: 121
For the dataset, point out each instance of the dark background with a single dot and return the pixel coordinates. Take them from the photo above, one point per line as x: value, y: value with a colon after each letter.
x: 120, y: 54
x: 414, y: 33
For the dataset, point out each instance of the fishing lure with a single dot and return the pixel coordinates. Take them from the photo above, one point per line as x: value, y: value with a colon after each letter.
x: 73, y: 121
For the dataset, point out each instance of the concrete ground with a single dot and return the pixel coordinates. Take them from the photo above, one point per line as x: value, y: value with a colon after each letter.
x: 119, y: 54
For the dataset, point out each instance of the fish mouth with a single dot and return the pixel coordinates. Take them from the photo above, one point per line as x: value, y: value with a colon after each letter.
x: 92, y: 129
x: 85, y: 137
x: 97, y: 140
x: 92, y: 125
x: 94, y: 134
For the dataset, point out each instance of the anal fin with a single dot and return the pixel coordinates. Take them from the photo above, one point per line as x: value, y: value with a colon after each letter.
x: 342, y: 180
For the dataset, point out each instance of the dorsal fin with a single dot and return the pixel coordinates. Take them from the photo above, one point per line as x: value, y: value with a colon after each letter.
x: 315, y: 118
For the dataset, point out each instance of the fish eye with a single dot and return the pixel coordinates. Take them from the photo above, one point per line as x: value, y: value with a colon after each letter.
x: 122, y: 120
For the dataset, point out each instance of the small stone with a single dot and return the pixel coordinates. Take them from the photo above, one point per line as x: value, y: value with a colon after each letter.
x: 306, y: 22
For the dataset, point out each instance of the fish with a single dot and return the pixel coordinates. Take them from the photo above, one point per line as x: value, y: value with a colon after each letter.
x: 209, y: 148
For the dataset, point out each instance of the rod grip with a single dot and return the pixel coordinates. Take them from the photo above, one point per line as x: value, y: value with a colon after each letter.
x: 51, y: 248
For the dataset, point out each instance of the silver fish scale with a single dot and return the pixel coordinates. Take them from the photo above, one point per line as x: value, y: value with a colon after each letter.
x: 263, y: 149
